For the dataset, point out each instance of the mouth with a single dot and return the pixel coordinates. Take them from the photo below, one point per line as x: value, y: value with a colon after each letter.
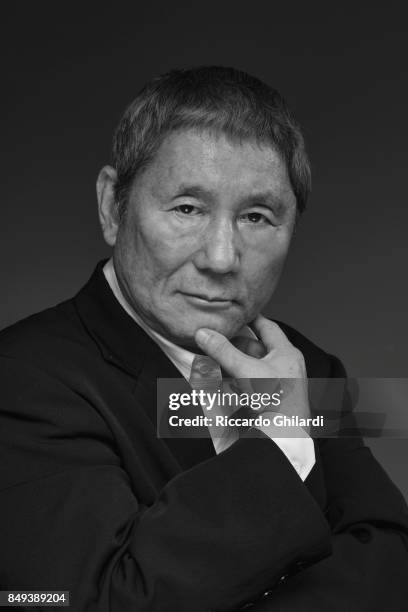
x: 207, y: 300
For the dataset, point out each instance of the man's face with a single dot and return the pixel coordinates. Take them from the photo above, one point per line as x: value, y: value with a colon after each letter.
x: 205, y: 235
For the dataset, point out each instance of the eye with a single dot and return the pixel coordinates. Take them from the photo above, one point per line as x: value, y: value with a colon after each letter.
x: 255, y: 218
x: 186, y: 209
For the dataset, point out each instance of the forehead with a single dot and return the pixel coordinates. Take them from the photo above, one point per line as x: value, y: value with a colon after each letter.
x: 218, y: 163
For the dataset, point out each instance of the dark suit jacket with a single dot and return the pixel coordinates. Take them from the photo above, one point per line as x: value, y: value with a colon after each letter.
x: 93, y: 502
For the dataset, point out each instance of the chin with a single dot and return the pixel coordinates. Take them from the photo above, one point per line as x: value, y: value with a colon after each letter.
x: 183, y: 334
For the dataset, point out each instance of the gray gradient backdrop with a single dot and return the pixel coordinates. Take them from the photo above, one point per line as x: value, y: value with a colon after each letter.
x: 69, y: 73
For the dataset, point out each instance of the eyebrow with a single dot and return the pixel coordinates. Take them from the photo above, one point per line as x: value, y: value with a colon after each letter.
x: 262, y: 198
x: 193, y: 190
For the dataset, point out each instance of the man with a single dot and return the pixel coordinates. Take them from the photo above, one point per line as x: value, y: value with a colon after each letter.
x: 208, y: 179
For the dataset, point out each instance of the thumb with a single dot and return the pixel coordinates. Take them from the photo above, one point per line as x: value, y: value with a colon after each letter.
x: 218, y: 347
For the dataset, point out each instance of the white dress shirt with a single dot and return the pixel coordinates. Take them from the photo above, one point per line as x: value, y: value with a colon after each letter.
x: 299, y: 451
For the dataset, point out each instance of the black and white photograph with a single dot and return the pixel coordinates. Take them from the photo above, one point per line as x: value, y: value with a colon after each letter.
x: 203, y: 324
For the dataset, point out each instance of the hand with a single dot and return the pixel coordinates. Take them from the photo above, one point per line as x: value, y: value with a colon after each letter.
x: 281, y: 368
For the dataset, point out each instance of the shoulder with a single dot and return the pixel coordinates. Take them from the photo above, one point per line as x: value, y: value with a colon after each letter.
x: 319, y: 363
x: 45, y: 337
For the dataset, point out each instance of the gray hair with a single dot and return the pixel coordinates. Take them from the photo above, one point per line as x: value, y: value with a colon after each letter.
x: 219, y: 99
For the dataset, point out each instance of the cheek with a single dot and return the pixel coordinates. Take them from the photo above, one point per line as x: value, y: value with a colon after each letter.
x: 264, y: 271
x: 156, y: 254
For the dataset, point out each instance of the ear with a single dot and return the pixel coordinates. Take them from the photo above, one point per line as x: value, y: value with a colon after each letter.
x: 107, y: 206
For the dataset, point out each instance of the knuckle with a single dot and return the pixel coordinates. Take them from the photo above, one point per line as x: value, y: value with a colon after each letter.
x: 298, y: 355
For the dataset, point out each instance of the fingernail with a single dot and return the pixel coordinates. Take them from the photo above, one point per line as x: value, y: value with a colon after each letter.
x: 202, y: 336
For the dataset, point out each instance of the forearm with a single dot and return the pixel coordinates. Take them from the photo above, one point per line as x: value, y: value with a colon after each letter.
x: 214, y: 539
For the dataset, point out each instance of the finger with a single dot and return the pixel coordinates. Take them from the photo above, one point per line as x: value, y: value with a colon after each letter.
x: 217, y: 346
x: 270, y: 333
x: 241, y: 385
x: 249, y: 346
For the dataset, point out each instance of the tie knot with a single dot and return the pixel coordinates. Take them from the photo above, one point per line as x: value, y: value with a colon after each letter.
x: 204, y: 369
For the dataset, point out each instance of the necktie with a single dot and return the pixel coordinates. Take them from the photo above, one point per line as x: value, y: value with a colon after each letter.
x: 206, y: 376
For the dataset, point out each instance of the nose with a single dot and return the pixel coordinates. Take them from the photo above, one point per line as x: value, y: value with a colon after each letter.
x: 219, y: 252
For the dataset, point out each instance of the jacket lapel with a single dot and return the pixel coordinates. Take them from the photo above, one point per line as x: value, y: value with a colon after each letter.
x: 126, y: 346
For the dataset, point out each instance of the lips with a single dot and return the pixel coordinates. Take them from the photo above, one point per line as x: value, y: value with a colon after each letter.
x: 214, y: 298
x: 209, y: 298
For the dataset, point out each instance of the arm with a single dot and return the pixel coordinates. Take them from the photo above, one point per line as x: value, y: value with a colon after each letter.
x: 70, y: 520
x: 368, y: 568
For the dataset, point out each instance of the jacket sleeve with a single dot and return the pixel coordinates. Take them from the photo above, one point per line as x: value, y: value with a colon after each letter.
x: 217, y: 536
x: 367, y: 570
